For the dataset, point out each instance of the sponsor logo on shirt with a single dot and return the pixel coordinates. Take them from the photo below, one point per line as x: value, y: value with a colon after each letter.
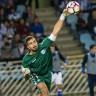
x: 43, y: 51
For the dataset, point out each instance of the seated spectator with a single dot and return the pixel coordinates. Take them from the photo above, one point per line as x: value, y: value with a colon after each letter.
x: 81, y: 24
x: 2, y: 14
x: 10, y: 28
x: 29, y: 15
x: 58, y: 5
x: 71, y: 22
x: 92, y: 23
x: 1, y: 43
x: 62, y: 4
x: 14, y: 15
x: 86, y: 39
x: 6, y: 32
x: 7, y: 47
x: 6, y: 28
x: 9, y: 6
x: 37, y: 27
x: 84, y: 4
x: 10, y: 3
x: 6, y: 53
x: 18, y: 47
x: 22, y: 29
x: 3, y: 28
x: 21, y: 9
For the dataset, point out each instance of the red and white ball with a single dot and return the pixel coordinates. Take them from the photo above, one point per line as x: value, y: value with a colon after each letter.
x: 73, y: 7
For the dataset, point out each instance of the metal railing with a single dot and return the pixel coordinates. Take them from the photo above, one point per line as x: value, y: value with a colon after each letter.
x: 12, y: 82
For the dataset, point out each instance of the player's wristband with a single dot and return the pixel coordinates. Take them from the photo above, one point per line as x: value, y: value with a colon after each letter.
x: 52, y: 37
x: 62, y: 17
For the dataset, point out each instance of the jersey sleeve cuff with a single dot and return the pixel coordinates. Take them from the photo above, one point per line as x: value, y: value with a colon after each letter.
x: 52, y: 37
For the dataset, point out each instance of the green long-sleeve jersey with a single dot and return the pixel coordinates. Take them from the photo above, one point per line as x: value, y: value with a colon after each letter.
x: 40, y: 62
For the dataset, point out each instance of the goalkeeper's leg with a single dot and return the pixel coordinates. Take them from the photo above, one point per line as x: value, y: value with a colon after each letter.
x: 43, y: 89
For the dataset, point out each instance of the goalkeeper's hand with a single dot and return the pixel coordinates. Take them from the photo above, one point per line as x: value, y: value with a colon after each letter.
x: 66, y: 13
x: 26, y: 73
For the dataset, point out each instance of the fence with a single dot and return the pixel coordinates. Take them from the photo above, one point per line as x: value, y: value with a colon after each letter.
x: 12, y: 82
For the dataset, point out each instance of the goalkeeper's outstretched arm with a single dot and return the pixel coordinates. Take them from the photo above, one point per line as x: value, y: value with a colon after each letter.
x: 59, y: 23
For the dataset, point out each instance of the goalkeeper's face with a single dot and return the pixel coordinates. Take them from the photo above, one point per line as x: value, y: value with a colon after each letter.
x: 32, y: 45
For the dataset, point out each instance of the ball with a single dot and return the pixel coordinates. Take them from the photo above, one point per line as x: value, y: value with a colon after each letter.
x: 73, y: 7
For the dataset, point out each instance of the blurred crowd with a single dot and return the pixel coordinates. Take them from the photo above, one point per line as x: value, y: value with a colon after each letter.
x: 17, y: 20
x: 82, y: 25
x: 59, y: 5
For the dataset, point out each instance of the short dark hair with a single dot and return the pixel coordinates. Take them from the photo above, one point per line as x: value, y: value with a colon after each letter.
x: 92, y: 46
x: 29, y: 38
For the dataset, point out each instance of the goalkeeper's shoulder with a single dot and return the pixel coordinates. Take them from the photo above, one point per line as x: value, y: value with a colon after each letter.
x: 25, y: 56
x: 24, y: 60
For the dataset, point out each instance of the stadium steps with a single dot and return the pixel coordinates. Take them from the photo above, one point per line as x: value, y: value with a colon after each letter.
x: 65, y: 41
x: 13, y: 83
x: 92, y: 1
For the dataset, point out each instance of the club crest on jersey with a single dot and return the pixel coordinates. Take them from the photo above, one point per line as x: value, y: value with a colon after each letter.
x: 43, y: 51
x: 33, y: 60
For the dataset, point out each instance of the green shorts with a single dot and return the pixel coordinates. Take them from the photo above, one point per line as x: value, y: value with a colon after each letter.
x: 44, y: 78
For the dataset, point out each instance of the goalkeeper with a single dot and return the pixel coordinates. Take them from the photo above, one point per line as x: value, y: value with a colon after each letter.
x: 39, y: 58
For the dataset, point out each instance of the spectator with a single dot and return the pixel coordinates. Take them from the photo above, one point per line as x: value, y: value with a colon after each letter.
x: 9, y: 6
x: 21, y: 9
x: 37, y: 27
x: 3, y: 28
x: 92, y: 23
x: 1, y: 43
x: 3, y: 31
x: 10, y: 29
x: 10, y: 3
x: 84, y: 4
x: 18, y: 47
x: 2, y: 14
x: 22, y: 29
x: 58, y: 5
x: 29, y: 15
x: 62, y: 4
x: 14, y: 15
x: 6, y: 50
x: 11, y: 24
x: 71, y: 21
x: 81, y: 24
x: 86, y: 39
